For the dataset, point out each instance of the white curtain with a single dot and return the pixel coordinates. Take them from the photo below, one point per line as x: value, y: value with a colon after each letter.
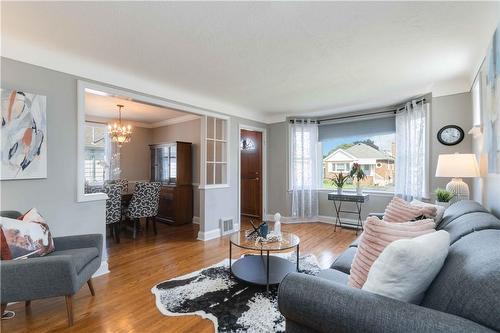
x: 305, y: 163
x: 412, y: 151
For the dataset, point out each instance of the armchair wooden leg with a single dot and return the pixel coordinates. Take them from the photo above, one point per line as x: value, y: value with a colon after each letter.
x: 91, y: 287
x: 27, y: 304
x: 147, y: 223
x: 116, y: 226
x: 69, y: 309
x: 154, y: 225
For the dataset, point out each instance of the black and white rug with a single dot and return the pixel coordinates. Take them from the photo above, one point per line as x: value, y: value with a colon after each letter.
x: 232, y: 305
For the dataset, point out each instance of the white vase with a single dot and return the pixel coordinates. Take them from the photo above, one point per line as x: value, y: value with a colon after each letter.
x: 339, y: 190
x: 359, y: 191
x: 277, y: 224
x: 443, y: 204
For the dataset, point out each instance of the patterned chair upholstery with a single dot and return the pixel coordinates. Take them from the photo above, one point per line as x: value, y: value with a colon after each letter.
x: 114, y: 208
x: 122, y: 182
x: 144, y: 203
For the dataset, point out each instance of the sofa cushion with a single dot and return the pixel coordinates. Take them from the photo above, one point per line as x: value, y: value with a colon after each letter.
x: 406, y: 267
x: 458, y: 209
x: 355, y: 242
x: 471, y: 222
x: 344, y: 261
x: 334, y: 275
x: 468, y: 285
x: 79, y: 257
x: 399, y: 210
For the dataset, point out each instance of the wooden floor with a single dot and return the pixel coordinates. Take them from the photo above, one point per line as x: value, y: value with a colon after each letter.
x: 123, y: 301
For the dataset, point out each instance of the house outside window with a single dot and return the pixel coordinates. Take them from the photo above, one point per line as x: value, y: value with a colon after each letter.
x: 372, y: 144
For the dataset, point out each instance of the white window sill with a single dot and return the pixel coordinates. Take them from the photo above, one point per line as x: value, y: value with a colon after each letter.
x: 371, y: 192
x: 92, y: 197
x: 211, y: 187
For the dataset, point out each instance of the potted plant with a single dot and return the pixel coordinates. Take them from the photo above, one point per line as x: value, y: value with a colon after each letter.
x: 358, y: 174
x: 443, y: 197
x: 339, y: 180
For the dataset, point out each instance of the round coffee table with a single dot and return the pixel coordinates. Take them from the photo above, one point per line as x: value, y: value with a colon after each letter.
x: 263, y: 269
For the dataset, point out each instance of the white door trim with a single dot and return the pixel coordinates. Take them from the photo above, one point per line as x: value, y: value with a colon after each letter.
x: 264, y: 168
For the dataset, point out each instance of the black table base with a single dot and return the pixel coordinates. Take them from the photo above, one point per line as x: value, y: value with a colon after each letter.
x: 263, y: 269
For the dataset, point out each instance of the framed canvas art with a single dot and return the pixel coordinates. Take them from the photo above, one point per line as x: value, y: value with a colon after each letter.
x: 24, y: 135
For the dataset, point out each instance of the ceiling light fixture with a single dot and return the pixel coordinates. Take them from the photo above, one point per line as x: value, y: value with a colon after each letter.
x: 120, y: 133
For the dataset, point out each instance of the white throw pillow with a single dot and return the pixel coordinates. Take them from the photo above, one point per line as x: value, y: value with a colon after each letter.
x: 406, y: 267
x: 439, y: 209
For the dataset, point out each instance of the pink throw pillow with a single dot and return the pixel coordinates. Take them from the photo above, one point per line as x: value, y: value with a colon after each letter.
x: 398, y: 210
x: 376, y: 236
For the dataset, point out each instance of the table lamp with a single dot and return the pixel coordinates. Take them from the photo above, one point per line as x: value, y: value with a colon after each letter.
x: 457, y: 166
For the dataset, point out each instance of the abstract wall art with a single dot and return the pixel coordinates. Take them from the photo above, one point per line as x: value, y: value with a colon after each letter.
x: 24, y: 135
x: 491, y: 102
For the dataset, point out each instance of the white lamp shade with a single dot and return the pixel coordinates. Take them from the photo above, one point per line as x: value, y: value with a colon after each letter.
x: 457, y: 166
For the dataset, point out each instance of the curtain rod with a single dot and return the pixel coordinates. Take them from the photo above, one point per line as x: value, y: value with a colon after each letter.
x: 393, y: 111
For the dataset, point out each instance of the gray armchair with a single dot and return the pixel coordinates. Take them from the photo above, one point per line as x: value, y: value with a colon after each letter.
x: 60, y: 273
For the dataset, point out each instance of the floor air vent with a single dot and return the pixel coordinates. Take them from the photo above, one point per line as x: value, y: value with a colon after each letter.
x: 227, y: 226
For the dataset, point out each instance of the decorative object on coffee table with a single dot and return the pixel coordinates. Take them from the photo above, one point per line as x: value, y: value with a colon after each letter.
x: 457, y: 166
x: 358, y: 174
x: 263, y: 269
x: 338, y: 199
x: 339, y: 180
x: 443, y: 197
x: 277, y: 224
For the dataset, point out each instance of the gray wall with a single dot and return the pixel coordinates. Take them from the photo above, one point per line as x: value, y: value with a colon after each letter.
x: 55, y: 196
x: 135, y: 157
x: 277, y: 179
x: 449, y: 110
x: 188, y: 131
x: 452, y: 109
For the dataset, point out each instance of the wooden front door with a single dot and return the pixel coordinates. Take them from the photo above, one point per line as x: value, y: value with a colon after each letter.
x: 251, y: 173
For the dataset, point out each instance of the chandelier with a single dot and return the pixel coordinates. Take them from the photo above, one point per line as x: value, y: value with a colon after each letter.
x: 120, y: 133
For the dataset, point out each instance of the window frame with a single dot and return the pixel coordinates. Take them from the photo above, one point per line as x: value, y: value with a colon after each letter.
x: 365, y: 190
x: 213, y: 159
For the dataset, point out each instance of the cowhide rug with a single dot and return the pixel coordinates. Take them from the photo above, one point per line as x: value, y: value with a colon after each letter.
x: 232, y: 305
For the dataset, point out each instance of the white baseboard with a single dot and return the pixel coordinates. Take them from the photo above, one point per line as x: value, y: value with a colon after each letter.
x: 103, y: 269
x: 196, y: 220
x: 349, y: 223
x: 208, y: 235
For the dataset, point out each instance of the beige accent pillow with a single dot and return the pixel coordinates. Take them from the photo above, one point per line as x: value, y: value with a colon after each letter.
x: 375, y: 238
x: 406, y: 268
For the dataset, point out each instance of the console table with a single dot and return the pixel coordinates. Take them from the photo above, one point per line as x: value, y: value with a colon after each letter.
x: 338, y: 199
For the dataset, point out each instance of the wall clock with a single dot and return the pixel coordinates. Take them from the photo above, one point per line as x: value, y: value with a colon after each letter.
x: 450, y: 135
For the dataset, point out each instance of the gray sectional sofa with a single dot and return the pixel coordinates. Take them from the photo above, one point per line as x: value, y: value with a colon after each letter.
x: 464, y: 297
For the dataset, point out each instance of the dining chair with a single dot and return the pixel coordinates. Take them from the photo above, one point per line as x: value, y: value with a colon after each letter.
x: 122, y: 182
x: 144, y: 203
x: 113, y: 209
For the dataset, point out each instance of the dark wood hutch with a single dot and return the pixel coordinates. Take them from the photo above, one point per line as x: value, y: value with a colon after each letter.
x: 171, y: 164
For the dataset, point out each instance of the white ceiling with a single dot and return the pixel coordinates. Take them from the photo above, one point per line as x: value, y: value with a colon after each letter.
x: 262, y: 60
x: 105, y: 107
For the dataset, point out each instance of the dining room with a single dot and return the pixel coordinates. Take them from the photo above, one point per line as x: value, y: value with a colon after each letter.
x: 146, y: 159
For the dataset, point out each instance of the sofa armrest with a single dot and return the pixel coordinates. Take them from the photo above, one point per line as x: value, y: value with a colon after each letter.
x: 34, y: 278
x: 326, y: 306
x: 78, y: 242
x: 379, y: 215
